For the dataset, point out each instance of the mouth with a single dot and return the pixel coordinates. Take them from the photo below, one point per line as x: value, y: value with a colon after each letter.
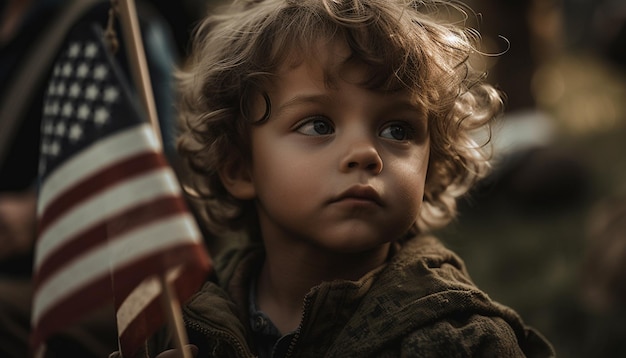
x: 359, y: 194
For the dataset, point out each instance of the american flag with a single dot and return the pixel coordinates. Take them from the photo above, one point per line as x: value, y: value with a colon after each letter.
x: 111, y: 217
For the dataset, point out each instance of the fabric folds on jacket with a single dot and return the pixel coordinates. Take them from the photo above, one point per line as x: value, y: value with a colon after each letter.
x: 421, y: 303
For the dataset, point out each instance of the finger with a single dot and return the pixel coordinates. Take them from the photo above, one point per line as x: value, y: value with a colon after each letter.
x: 175, y: 353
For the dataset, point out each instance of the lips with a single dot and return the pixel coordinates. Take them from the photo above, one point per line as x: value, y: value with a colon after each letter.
x: 359, y: 193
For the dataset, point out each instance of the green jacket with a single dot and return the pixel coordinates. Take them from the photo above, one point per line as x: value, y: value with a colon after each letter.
x: 422, y: 303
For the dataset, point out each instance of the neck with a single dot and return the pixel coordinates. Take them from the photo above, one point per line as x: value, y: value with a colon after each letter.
x: 291, y: 270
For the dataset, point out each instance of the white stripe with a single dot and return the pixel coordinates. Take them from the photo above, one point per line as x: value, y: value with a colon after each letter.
x: 136, y: 301
x: 159, y: 236
x: 140, y: 297
x: 101, y: 154
x: 127, y: 193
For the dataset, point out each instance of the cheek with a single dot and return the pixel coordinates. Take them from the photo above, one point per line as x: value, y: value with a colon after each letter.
x: 409, y: 169
x: 409, y: 183
x: 280, y: 175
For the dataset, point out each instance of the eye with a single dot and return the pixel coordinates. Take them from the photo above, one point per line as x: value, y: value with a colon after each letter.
x: 397, y: 131
x: 316, y: 127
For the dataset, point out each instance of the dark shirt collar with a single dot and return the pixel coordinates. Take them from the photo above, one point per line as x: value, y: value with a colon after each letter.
x: 268, y: 340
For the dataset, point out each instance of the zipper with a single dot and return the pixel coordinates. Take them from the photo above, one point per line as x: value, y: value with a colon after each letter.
x: 305, y: 315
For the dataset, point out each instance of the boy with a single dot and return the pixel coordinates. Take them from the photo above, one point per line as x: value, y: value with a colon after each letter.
x: 336, y: 134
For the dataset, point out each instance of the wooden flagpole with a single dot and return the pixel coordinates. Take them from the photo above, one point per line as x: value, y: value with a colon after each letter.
x: 137, y: 58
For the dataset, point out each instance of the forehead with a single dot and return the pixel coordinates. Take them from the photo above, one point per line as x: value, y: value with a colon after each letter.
x: 331, y: 61
x: 323, y: 74
x: 328, y: 58
x: 332, y: 77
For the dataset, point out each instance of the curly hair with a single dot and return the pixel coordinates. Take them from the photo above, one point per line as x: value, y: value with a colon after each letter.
x: 412, y: 45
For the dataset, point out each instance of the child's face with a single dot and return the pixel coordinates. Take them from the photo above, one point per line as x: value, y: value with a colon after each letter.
x: 338, y: 166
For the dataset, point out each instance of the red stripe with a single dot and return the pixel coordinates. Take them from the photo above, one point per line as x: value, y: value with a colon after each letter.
x: 109, y: 228
x: 98, y: 182
x: 98, y: 292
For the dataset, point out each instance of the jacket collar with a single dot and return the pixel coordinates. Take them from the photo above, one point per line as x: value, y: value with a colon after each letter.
x: 421, y: 284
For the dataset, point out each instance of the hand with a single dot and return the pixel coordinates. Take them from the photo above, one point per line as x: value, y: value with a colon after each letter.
x: 174, y: 353
x: 170, y: 353
x: 18, y: 214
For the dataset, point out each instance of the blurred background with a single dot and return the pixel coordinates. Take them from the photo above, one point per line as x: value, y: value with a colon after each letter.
x: 546, y: 232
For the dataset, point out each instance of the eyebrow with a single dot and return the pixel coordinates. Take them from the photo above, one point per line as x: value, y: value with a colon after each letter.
x: 304, y: 99
x: 391, y: 105
x: 325, y: 98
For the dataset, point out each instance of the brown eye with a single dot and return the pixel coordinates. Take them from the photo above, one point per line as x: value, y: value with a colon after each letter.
x: 316, y: 127
x: 396, y: 131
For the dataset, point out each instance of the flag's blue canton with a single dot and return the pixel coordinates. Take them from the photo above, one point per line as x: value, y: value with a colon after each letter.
x: 86, y: 100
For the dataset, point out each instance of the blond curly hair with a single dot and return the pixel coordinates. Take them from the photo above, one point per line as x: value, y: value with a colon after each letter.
x: 413, y: 45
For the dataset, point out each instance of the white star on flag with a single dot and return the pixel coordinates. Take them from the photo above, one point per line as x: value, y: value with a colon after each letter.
x: 91, y: 50
x: 83, y: 70
x: 61, y: 89
x: 75, y: 90
x: 111, y: 94
x: 83, y: 112
x: 67, y: 69
x: 100, y: 72
x: 101, y: 116
x: 74, y: 50
x: 68, y: 110
x: 92, y: 92
x: 76, y: 132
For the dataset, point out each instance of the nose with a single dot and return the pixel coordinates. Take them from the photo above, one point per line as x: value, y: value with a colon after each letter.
x: 362, y: 155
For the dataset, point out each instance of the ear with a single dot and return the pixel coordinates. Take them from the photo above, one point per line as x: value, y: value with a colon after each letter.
x: 237, y: 179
